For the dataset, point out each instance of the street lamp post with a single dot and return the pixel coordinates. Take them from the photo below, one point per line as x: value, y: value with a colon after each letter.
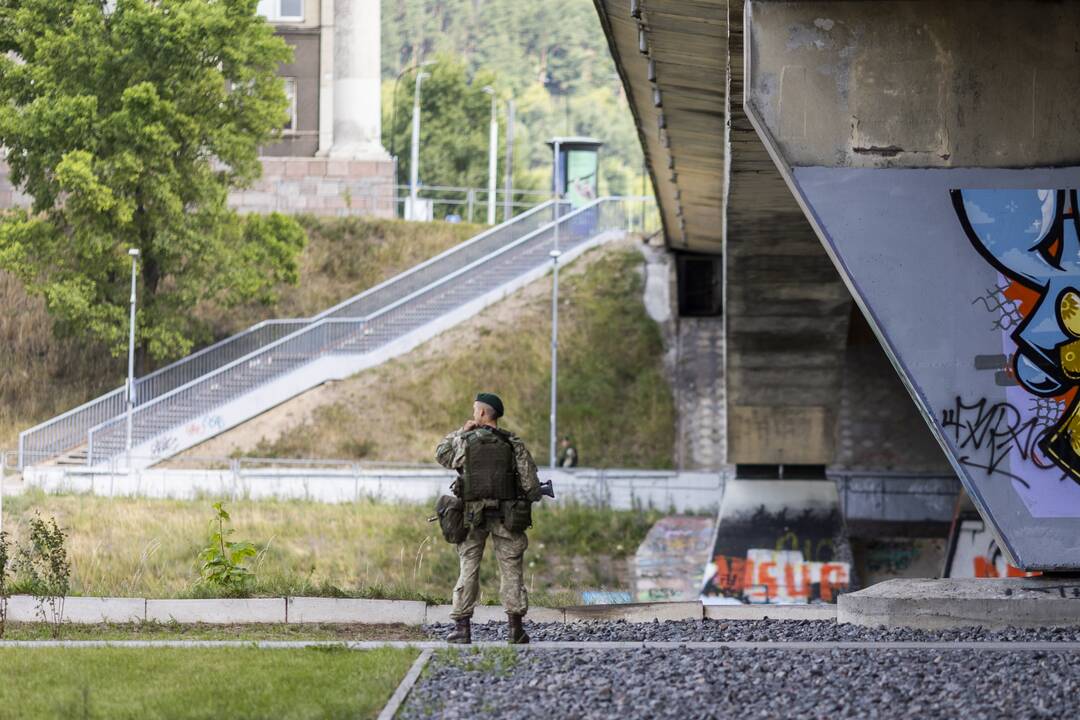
x: 555, y: 253
x: 493, y: 149
x: 414, y: 155
x: 393, y: 121
x: 508, y: 172
x: 134, y: 253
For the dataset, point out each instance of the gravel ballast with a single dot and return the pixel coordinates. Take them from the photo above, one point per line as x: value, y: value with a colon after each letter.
x: 755, y: 631
x: 724, y: 683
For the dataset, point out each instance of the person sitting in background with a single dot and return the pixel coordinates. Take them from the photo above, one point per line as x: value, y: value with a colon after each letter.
x: 568, y: 457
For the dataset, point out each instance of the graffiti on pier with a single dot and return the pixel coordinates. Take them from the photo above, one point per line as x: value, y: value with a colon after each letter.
x: 777, y: 558
x: 1032, y: 237
x: 668, y: 563
x: 986, y: 433
x: 771, y: 576
x: 974, y: 553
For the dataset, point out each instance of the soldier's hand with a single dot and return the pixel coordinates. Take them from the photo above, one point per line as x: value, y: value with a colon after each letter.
x: 469, y: 425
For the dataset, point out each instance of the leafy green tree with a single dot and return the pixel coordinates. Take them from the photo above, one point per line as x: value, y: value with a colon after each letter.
x: 128, y: 123
x: 551, y: 56
x: 455, y: 117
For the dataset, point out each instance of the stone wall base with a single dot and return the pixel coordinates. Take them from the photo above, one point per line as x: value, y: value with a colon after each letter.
x: 321, y: 186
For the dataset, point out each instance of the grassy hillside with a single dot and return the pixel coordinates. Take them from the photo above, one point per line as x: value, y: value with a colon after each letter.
x: 613, y: 397
x: 42, y: 376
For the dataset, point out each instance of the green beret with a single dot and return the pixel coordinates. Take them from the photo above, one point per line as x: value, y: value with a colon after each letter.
x: 493, y: 400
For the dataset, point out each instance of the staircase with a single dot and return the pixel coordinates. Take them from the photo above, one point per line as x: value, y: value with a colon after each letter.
x: 242, y: 376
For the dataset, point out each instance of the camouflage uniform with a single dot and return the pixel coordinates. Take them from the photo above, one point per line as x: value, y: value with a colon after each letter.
x: 484, y: 521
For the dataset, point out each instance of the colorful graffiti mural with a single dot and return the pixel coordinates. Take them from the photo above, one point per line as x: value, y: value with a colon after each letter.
x: 974, y: 553
x: 972, y: 279
x: 669, y: 562
x: 1030, y: 236
x: 789, y: 556
x: 775, y: 576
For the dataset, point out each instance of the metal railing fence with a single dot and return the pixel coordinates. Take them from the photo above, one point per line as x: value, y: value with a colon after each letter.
x: 470, y: 204
x: 69, y: 430
x: 336, y: 335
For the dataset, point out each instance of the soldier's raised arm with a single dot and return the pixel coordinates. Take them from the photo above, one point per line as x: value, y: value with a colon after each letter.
x: 450, y: 453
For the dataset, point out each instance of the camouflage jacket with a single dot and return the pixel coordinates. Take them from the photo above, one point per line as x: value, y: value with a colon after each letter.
x: 451, y: 455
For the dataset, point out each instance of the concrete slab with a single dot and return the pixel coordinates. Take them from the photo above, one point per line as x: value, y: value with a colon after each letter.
x: 771, y: 612
x: 350, y: 610
x: 637, y: 612
x: 81, y: 610
x: 269, y: 610
x: 964, y: 602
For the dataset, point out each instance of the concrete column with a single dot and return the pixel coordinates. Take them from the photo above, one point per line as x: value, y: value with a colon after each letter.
x: 326, y: 77
x: 357, y: 103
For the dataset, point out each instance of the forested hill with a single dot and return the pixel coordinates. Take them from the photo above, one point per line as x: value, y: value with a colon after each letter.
x: 550, y: 56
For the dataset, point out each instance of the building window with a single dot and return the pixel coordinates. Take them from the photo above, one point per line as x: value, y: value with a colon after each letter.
x: 290, y: 94
x: 282, y: 10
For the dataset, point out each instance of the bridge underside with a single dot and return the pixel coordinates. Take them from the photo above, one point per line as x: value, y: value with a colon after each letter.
x: 806, y: 383
x: 921, y: 159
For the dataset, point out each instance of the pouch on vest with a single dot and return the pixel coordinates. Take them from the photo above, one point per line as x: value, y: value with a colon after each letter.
x: 451, y: 512
x: 517, y: 515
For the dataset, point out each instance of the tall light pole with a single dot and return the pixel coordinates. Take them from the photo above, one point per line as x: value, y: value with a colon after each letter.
x: 554, y: 349
x: 508, y: 172
x: 555, y: 253
x: 134, y: 253
x: 414, y: 156
x: 493, y: 150
x: 393, y: 121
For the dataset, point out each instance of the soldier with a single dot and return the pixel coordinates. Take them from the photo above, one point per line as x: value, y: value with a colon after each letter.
x: 498, y: 482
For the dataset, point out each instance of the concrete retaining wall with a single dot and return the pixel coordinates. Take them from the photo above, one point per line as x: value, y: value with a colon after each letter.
x: 618, y: 489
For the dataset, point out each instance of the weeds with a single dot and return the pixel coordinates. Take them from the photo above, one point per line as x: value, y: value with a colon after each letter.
x: 5, y: 591
x: 223, y: 561
x: 149, y: 548
x: 491, y: 661
x: 46, y: 571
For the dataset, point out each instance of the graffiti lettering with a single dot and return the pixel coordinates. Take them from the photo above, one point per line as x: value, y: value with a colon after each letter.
x: 989, y: 432
x: 771, y: 577
x: 1068, y: 592
x: 163, y: 446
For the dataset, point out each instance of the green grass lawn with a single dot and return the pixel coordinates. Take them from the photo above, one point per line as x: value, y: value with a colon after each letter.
x: 198, y: 682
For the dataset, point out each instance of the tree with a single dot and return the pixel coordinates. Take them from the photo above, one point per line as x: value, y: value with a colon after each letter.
x: 455, y: 117
x: 128, y: 126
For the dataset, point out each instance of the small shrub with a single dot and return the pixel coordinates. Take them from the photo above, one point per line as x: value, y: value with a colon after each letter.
x: 223, y: 561
x: 46, y: 571
x: 4, y: 589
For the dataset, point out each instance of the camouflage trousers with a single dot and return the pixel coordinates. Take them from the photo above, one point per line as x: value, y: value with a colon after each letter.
x: 509, y: 551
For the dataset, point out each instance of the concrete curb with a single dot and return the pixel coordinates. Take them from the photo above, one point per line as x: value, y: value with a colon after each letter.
x: 402, y: 692
x: 299, y: 610
x: 431, y: 645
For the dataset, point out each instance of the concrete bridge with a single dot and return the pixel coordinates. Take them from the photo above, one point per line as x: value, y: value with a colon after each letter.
x: 879, y: 198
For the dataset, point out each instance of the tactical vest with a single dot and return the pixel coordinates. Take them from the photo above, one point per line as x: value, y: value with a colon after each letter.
x: 490, y: 471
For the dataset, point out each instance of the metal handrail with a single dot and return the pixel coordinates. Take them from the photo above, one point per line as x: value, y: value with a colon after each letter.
x: 310, y: 346
x: 79, y: 420
x: 252, y: 356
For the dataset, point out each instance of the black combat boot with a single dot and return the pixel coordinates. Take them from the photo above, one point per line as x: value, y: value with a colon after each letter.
x: 517, y: 634
x: 462, y: 632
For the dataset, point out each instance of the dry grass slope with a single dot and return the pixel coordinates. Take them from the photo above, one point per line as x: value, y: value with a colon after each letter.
x: 42, y: 375
x: 614, y: 399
